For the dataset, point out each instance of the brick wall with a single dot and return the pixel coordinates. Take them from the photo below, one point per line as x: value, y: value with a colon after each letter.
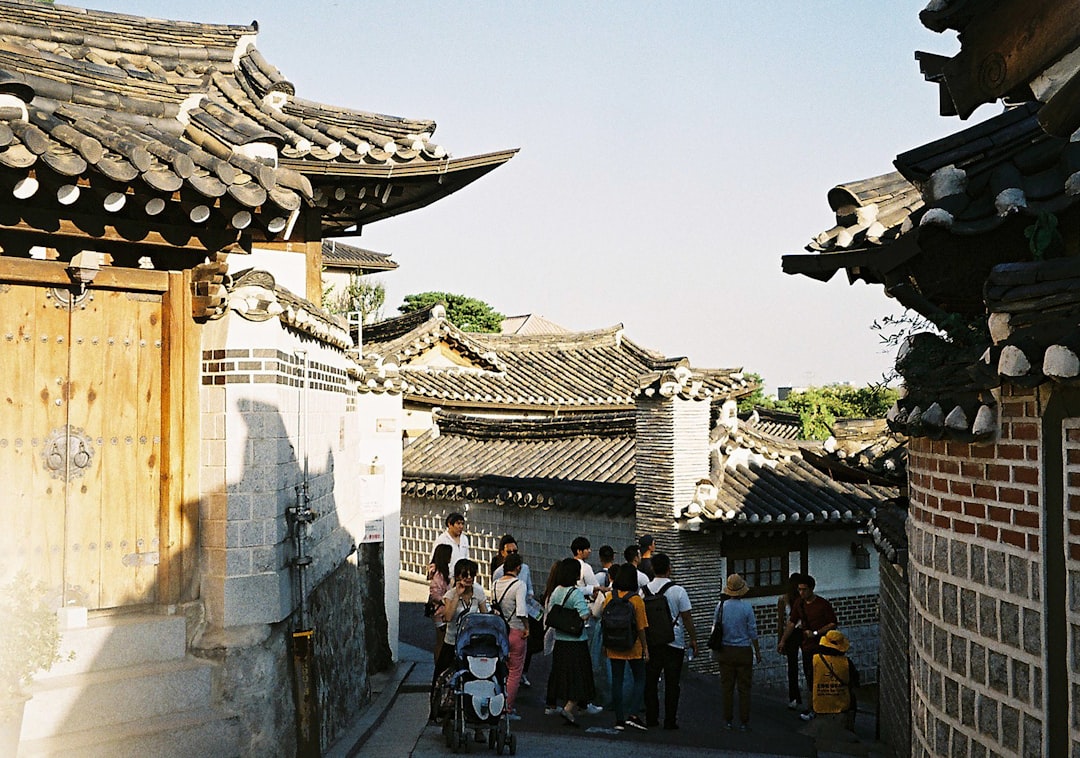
x: 544, y: 536
x: 974, y: 534
x: 894, y: 681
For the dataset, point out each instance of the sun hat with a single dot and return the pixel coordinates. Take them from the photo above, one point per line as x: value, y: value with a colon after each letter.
x: 835, y: 640
x: 736, y: 586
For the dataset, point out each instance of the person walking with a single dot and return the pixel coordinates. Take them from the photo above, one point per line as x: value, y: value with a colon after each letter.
x: 814, y: 617
x: 667, y: 659
x: 790, y: 649
x: 438, y: 575
x: 625, y: 590
x: 736, y: 619
x: 835, y: 680
x: 510, y: 600
x: 571, y: 675
x: 455, y: 537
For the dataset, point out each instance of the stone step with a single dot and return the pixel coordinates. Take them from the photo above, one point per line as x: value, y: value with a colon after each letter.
x: 111, y: 642
x: 202, y: 732
x: 114, y: 696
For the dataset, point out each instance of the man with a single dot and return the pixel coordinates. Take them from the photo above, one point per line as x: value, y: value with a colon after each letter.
x: 815, y: 617
x: 607, y: 560
x: 581, y: 549
x: 455, y: 537
x: 668, y: 659
x: 647, y: 544
x: 632, y: 555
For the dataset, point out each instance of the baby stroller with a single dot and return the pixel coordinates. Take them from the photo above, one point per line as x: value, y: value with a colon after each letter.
x: 472, y: 694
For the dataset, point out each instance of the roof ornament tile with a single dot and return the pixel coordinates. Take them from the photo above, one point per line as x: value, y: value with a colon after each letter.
x: 1009, y: 201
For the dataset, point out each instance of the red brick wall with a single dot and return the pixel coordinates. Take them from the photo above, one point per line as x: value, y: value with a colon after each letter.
x: 975, y: 577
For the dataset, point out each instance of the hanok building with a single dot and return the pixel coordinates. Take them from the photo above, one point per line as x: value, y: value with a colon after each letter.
x: 553, y: 436
x: 985, y: 567
x: 176, y: 408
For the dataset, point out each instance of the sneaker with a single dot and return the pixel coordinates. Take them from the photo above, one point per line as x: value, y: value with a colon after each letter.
x: 620, y: 727
x: 729, y: 726
x: 794, y: 705
x: 525, y: 681
x: 636, y: 723
x: 551, y: 710
x: 568, y: 717
x: 744, y: 727
x: 807, y: 715
x: 592, y: 709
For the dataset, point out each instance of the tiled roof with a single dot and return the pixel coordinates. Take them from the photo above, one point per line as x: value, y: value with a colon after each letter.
x: 870, y: 212
x: 339, y: 255
x: 142, y: 117
x: 576, y: 462
x: 762, y: 482
x: 600, y: 369
x: 889, y: 532
x: 255, y: 295
x: 780, y: 424
x: 530, y: 323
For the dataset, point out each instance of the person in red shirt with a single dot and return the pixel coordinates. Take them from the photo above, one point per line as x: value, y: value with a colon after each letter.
x: 814, y: 616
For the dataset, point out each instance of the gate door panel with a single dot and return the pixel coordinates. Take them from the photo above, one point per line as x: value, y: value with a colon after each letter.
x: 93, y: 415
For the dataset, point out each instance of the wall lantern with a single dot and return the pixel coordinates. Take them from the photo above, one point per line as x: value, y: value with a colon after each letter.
x: 862, y: 555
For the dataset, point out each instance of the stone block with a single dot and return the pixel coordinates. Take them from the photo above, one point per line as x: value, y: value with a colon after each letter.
x: 1033, y: 731
x: 1010, y: 624
x: 988, y: 617
x: 239, y: 508
x: 1010, y: 727
x: 952, y: 698
x: 238, y: 562
x: 941, y: 553
x: 958, y: 653
x: 1032, y: 631
x: 254, y: 599
x: 996, y: 574
x: 987, y: 712
x: 969, y: 609
x: 977, y: 663
x: 1021, y: 681
x: 958, y: 560
x: 1019, y: 571
x: 997, y: 665
x: 978, y: 564
x: 949, y: 594
x: 967, y: 707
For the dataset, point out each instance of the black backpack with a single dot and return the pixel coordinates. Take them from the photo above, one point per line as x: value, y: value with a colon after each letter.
x: 617, y: 623
x: 661, y: 629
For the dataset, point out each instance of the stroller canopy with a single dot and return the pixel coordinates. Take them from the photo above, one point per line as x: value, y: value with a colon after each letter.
x: 482, y: 634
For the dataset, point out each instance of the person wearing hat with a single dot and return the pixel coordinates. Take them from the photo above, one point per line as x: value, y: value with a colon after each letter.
x: 736, y: 619
x: 835, y: 679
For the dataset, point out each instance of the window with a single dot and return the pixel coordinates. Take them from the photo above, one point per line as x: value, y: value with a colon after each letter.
x: 766, y: 562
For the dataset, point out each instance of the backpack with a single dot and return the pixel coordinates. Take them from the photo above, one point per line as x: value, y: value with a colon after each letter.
x: 497, y: 605
x: 661, y: 629
x: 617, y: 623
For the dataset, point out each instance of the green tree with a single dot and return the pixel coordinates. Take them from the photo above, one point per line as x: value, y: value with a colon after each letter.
x: 466, y: 313
x: 757, y: 398
x: 360, y: 295
x: 820, y: 407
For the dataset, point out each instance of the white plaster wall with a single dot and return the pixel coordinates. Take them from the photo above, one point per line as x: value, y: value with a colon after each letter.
x: 833, y: 566
x: 380, y: 420
x: 289, y: 269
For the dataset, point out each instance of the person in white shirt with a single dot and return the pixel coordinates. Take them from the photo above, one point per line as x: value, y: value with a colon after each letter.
x: 667, y: 660
x: 455, y: 537
x: 581, y: 549
x: 535, y: 611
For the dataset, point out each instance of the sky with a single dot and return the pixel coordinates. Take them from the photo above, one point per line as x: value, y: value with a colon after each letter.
x: 670, y: 154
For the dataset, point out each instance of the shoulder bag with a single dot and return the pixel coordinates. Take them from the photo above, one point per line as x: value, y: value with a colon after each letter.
x: 565, y: 619
x: 716, y: 638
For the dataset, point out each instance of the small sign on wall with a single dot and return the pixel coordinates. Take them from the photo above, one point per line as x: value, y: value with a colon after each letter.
x: 371, y: 488
x: 386, y: 425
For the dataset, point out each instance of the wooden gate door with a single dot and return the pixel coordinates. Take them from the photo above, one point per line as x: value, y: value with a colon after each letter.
x: 80, y: 440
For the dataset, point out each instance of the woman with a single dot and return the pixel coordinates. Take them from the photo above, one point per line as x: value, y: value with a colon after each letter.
x: 466, y: 596
x: 571, y: 672
x: 438, y: 574
x: 736, y: 617
x: 790, y: 649
x: 625, y: 589
x: 511, y: 601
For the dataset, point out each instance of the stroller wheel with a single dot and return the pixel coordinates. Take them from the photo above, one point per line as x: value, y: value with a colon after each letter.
x: 513, y: 744
x: 491, y: 738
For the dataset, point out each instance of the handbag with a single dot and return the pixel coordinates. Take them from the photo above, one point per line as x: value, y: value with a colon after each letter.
x: 716, y: 637
x: 429, y: 608
x: 535, y: 641
x: 565, y: 619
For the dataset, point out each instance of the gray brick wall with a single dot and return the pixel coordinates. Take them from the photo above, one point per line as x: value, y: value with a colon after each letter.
x: 894, y: 680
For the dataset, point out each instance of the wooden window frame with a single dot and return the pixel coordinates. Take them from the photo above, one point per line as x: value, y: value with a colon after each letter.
x: 766, y: 548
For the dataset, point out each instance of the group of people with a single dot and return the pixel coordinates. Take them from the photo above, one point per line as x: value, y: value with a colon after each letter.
x: 630, y: 618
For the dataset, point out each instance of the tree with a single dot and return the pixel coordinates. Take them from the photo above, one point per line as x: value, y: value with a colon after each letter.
x: 360, y: 295
x: 757, y: 398
x: 820, y: 407
x: 466, y: 313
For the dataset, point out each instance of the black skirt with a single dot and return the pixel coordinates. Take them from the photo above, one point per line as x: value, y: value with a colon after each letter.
x: 571, y: 673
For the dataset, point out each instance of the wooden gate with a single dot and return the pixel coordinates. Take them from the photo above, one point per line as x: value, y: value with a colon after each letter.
x: 81, y: 440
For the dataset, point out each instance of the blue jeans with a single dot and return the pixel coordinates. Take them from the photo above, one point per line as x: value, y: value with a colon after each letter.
x: 637, y: 696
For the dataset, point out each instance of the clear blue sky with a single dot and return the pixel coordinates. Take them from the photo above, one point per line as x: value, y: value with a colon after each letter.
x: 671, y: 152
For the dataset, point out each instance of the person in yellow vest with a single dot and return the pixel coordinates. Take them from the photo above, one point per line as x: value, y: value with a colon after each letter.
x: 835, y: 680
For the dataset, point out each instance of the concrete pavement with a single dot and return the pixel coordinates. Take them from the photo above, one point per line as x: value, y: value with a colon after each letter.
x: 395, y: 724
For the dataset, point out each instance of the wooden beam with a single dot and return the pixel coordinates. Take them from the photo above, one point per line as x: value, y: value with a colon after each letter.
x: 1006, y: 46
x: 31, y: 271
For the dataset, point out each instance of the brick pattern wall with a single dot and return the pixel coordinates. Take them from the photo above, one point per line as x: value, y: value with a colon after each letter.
x: 894, y: 680
x: 1072, y: 568
x: 975, y: 581
x: 544, y: 536
x: 269, y: 366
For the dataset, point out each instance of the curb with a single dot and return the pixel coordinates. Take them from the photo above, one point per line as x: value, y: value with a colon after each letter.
x: 387, y: 685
